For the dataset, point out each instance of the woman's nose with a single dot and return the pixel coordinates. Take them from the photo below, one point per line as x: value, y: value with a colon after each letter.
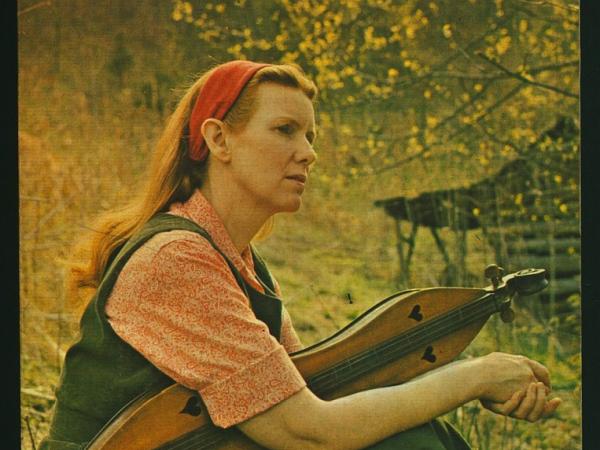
x: 306, y: 153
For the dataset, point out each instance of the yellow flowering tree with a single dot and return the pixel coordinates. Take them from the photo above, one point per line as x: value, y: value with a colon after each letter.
x: 469, y: 81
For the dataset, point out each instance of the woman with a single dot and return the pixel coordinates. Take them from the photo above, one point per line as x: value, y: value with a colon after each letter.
x: 184, y: 297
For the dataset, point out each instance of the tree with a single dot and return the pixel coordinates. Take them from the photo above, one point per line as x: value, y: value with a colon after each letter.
x: 400, y: 81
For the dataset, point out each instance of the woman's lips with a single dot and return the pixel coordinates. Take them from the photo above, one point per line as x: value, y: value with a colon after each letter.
x: 299, y: 178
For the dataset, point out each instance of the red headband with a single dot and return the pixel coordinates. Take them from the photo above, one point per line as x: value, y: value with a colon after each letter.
x: 216, y: 98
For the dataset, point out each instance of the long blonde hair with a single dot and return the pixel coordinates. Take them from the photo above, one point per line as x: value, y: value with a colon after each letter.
x: 172, y: 176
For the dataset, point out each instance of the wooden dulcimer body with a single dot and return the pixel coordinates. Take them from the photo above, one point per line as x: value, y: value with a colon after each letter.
x: 400, y: 337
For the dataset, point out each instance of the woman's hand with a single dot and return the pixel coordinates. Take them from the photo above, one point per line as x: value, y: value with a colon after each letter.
x: 531, y: 404
x: 529, y: 382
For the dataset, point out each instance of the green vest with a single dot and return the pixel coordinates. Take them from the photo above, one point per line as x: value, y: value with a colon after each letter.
x: 102, y: 373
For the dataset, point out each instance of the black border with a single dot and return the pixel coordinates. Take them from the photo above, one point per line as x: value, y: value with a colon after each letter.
x: 9, y: 260
x: 590, y: 226
x: 590, y: 222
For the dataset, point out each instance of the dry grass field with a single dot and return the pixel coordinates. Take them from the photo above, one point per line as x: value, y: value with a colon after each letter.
x: 318, y: 255
x: 83, y: 151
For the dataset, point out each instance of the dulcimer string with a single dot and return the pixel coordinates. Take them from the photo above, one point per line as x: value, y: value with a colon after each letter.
x: 400, y: 345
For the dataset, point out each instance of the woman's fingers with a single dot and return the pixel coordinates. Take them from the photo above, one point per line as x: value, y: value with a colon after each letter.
x: 551, y: 406
x: 540, y: 402
x: 541, y: 373
x: 508, y: 406
x: 528, y: 403
x: 512, y: 404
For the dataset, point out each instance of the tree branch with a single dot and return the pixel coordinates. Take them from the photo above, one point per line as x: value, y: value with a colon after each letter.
x: 460, y: 130
x: 406, y: 137
x: 525, y: 80
x: 485, y: 132
x: 502, y: 74
x: 411, y: 80
x: 36, y: 6
x: 569, y: 7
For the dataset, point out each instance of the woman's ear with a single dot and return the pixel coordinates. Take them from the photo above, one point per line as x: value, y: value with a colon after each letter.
x: 214, y: 131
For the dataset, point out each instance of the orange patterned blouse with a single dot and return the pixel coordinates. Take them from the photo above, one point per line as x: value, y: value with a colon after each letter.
x: 177, y: 302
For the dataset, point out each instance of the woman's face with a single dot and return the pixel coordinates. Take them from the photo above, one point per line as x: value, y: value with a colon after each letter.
x: 272, y: 154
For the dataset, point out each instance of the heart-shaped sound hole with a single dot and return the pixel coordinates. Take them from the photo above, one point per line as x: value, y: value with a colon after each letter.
x: 192, y: 407
x: 428, y: 355
x: 416, y: 313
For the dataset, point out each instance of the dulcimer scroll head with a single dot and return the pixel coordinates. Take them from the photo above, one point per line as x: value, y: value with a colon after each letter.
x: 529, y: 281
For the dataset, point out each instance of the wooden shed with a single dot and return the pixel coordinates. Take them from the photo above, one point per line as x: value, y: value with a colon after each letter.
x: 528, y: 212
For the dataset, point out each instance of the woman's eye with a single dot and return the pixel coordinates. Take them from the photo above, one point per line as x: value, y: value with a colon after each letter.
x: 285, y: 129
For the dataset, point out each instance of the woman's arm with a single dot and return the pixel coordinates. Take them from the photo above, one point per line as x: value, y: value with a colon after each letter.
x: 304, y: 421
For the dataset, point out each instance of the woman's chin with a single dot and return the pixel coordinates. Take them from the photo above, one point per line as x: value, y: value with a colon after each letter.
x: 291, y: 205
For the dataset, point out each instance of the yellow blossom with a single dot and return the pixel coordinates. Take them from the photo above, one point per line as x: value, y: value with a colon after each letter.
x: 503, y: 45
x: 280, y: 40
x: 523, y: 25
x: 519, y: 199
x: 489, y: 52
x: 447, y: 31
x: 432, y: 121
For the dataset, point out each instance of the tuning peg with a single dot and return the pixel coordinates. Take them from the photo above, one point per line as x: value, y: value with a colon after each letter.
x: 494, y: 273
x: 507, y: 314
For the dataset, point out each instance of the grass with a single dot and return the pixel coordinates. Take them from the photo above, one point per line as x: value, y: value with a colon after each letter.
x: 333, y: 259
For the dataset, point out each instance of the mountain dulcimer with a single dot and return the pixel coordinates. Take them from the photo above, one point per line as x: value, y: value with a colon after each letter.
x: 404, y: 335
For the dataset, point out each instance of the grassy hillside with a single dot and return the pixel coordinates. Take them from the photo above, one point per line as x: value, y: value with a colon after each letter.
x: 85, y: 133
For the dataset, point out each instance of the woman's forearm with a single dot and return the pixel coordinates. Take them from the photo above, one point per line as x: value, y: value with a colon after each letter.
x: 367, y: 417
x: 359, y: 420
x: 508, y: 384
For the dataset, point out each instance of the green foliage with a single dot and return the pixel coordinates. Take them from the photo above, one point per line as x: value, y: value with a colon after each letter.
x: 413, y: 79
x: 406, y: 106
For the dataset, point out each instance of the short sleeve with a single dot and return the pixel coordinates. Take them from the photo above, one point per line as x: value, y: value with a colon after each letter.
x: 289, y: 338
x: 178, y: 304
